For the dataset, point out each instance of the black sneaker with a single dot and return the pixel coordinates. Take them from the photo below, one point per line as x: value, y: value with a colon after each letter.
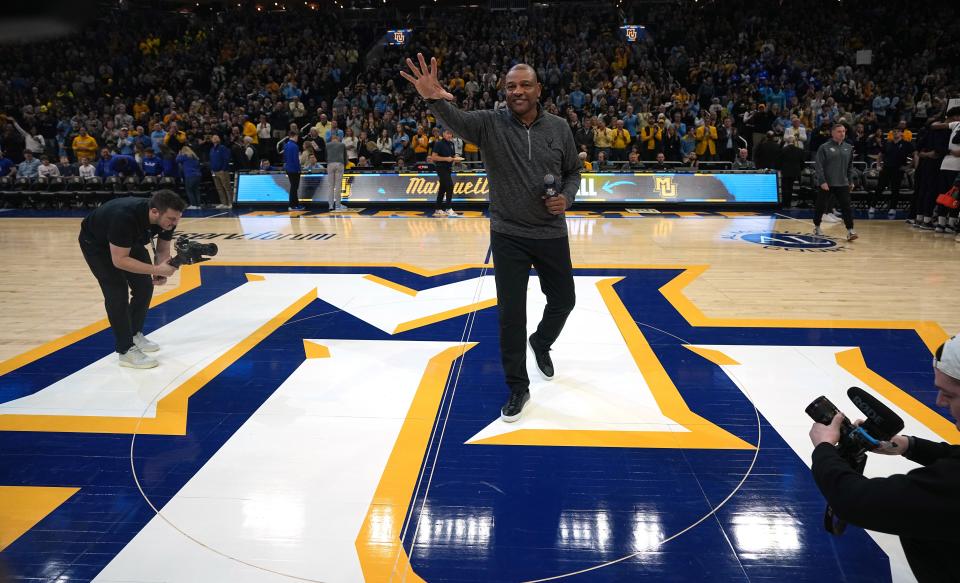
x: 511, y: 411
x: 544, y: 363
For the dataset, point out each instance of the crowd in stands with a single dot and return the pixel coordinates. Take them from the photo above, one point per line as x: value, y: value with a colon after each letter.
x: 752, y: 84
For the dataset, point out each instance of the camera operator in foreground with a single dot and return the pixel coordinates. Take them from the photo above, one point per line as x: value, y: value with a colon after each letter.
x: 112, y: 239
x: 922, y: 507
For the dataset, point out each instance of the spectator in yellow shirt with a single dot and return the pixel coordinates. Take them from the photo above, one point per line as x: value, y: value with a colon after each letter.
x: 421, y: 143
x: 620, y: 141
x: 140, y: 109
x: 706, y: 136
x: 84, y: 145
x: 602, y: 139
x: 650, y: 139
x: 249, y: 129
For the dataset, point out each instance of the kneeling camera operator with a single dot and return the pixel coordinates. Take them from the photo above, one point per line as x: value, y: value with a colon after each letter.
x: 922, y: 507
x: 113, y: 240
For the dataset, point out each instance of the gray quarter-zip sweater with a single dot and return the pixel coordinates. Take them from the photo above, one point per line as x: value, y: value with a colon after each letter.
x: 835, y: 164
x: 517, y: 158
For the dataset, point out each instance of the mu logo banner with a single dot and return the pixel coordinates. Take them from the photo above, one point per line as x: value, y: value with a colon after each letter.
x: 352, y: 412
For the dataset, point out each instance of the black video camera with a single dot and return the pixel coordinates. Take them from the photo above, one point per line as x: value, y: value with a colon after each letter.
x: 855, y: 441
x: 190, y: 252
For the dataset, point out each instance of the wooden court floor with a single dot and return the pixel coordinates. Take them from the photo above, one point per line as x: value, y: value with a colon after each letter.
x: 892, y: 272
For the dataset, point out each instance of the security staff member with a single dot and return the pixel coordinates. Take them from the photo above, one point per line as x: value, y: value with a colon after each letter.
x: 834, y: 165
x: 894, y: 157
x: 112, y: 239
x: 922, y: 506
x: 443, y: 158
x: 520, y: 145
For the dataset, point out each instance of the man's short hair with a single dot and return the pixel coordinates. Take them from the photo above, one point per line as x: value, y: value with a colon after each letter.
x: 837, y: 125
x: 953, y: 111
x: 293, y: 133
x: 536, y: 77
x: 164, y: 200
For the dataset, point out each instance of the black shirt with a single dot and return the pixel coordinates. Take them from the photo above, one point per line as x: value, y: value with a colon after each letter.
x: 895, y: 154
x: 445, y: 149
x: 124, y: 222
x: 921, y: 506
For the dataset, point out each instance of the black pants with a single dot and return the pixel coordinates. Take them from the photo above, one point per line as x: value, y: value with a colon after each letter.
x: 928, y: 177
x: 786, y: 185
x: 294, y: 188
x: 445, y: 193
x: 840, y: 194
x: 892, y: 178
x: 125, y: 295
x: 512, y: 259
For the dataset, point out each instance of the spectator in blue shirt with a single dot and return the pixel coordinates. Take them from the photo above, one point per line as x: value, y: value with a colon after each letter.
x: 142, y: 139
x: 30, y: 167
x: 577, y: 98
x: 103, y: 164
x: 291, y: 165
x: 6, y: 165
x: 290, y: 90
x: 121, y: 165
x: 190, y: 167
x: 334, y: 130
x: 631, y: 121
x: 219, y: 167
x: 125, y: 142
x: 152, y: 166
x: 169, y: 164
x: 157, y: 136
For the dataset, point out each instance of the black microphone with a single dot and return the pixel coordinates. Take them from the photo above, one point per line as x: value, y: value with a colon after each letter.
x: 550, y: 185
x: 881, y: 422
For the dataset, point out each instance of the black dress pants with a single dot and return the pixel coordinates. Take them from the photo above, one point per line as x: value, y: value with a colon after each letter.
x: 445, y: 192
x: 126, y: 295
x: 890, y: 178
x: 512, y: 259
x: 294, y: 188
x: 841, y: 195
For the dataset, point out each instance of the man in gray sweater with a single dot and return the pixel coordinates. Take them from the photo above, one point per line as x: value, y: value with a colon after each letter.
x: 336, y: 162
x: 834, y: 165
x: 523, y: 149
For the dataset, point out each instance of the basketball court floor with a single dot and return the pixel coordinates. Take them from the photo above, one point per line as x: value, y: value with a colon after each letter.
x: 327, y: 403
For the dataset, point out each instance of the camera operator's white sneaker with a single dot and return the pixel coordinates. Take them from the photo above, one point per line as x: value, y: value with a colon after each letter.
x: 145, y: 345
x: 135, y: 358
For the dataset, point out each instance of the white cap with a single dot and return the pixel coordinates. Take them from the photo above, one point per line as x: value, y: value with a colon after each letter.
x: 949, y: 361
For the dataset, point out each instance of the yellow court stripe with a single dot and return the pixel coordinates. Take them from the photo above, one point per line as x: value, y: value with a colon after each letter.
x: 930, y: 332
x: 392, y: 285
x: 313, y: 350
x: 171, y: 417
x: 433, y: 319
x: 852, y: 361
x: 381, y: 553
x: 189, y: 279
x: 22, y: 507
x: 738, y: 214
x: 714, y: 356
